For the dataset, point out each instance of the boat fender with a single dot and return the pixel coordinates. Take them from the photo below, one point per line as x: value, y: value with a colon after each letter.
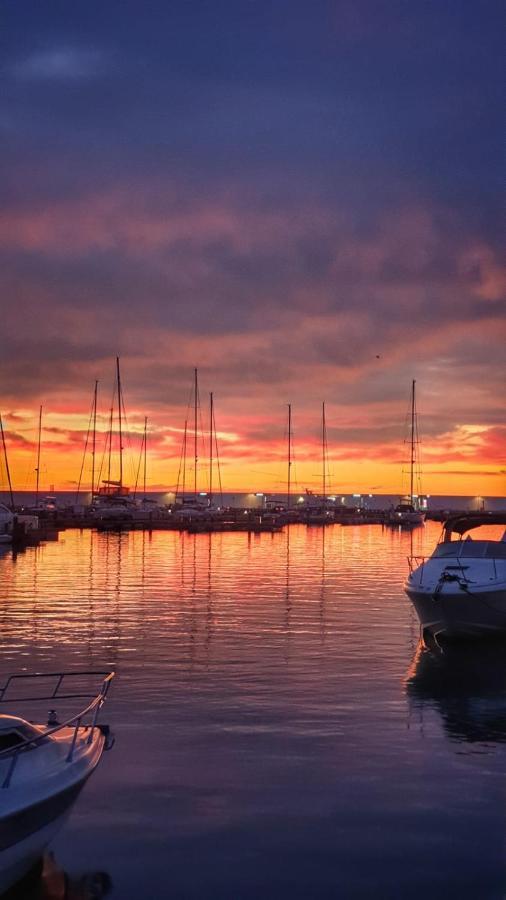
x: 110, y: 740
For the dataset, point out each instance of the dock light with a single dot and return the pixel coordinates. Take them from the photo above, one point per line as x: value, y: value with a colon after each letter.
x: 203, y: 494
x: 357, y: 495
x: 258, y: 495
x: 300, y: 500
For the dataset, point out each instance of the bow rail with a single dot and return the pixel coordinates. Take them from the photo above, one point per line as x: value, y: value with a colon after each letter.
x: 76, y: 721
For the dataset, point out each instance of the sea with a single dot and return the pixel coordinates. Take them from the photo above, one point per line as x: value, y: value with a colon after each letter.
x: 280, y: 731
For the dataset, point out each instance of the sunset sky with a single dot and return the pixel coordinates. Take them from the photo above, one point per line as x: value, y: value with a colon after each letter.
x: 303, y: 199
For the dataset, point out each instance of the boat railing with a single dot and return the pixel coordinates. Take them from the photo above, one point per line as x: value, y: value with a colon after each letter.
x: 91, y: 711
x: 415, y: 561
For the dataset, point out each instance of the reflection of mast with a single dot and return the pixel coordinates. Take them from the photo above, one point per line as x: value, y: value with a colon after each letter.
x: 289, y: 473
x: 288, y: 606
x: 37, y: 470
x: 6, y: 464
x: 322, y: 592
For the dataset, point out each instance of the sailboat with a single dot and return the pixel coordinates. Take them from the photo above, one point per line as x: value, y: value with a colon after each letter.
x: 112, y: 501
x: 318, y: 509
x: 188, y: 506
x: 407, y: 511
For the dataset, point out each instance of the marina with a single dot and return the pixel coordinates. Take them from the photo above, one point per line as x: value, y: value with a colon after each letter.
x: 252, y: 451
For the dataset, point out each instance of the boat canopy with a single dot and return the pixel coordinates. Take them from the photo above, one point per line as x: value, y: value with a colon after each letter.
x: 459, y: 524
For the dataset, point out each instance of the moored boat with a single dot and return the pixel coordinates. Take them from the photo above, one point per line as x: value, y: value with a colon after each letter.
x: 407, y: 513
x: 43, y: 768
x: 460, y: 591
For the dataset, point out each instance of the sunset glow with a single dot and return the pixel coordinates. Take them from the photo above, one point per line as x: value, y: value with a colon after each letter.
x: 297, y: 243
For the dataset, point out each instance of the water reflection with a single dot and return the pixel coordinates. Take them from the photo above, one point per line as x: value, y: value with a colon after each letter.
x: 48, y: 881
x: 466, y: 684
x: 261, y: 684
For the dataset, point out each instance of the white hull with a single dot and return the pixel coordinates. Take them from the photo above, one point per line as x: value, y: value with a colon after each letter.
x: 453, y: 612
x: 17, y: 860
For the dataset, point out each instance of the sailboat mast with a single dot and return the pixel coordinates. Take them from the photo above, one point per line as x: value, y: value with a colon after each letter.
x: 324, y: 436
x: 111, y: 412
x: 195, y: 423
x: 145, y: 450
x: 289, y: 474
x: 211, y: 416
x: 184, y: 455
x: 6, y: 463
x: 37, y: 470
x: 119, y: 425
x: 94, y: 438
x: 412, y: 459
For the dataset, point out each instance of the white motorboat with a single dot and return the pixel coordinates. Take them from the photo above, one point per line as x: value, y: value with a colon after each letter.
x: 405, y: 513
x: 43, y: 768
x: 460, y: 591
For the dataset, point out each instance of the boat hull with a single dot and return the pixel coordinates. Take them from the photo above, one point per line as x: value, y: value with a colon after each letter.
x: 25, y: 834
x: 454, y: 613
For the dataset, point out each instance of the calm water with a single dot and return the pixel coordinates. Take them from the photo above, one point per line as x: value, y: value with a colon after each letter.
x: 279, y: 733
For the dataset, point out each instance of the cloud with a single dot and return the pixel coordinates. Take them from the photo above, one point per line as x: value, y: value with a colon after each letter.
x: 59, y: 64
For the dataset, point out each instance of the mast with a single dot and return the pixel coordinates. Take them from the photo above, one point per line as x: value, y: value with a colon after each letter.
x: 289, y: 473
x: 111, y: 411
x: 7, y: 464
x: 94, y: 439
x: 195, y: 447
x: 184, y: 455
x: 145, y: 451
x: 324, y: 441
x: 38, y: 458
x: 211, y: 417
x: 119, y: 425
x: 412, y: 457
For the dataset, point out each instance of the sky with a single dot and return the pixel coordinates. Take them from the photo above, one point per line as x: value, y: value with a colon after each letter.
x: 305, y: 200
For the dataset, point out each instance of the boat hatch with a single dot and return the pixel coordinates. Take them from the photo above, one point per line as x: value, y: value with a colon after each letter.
x: 14, y: 735
x: 471, y: 549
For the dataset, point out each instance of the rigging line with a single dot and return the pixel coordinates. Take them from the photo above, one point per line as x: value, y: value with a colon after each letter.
x: 126, y: 433
x: 6, y: 458
x: 141, y: 453
x: 218, y: 462
x: 108, y: 438
x: 183, y: 449
x: 90, y: 421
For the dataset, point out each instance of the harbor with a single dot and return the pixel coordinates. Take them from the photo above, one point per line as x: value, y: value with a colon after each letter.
x: 252, y: 451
